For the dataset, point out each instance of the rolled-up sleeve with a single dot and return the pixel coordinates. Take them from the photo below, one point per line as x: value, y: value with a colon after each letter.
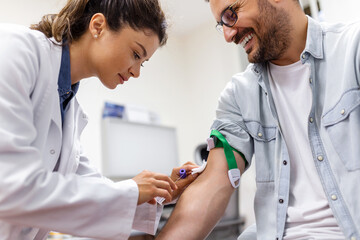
x: 230, y: 123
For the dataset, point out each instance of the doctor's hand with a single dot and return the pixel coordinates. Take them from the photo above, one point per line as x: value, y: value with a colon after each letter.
x: 153, y: 185
x: 182, y: 183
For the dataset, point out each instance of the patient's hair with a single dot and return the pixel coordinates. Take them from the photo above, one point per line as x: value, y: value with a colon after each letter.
x: 293, y: 0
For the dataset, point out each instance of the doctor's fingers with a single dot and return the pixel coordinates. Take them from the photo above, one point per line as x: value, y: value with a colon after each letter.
x: 187, y: 166
x: 147, y: 177
x: 151, y: 188
x: 162, y: 189
x: 156, y: 189
x: 166, y: 179
x: 159, y: 192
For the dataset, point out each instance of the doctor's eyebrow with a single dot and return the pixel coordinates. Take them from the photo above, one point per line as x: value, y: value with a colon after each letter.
x: 142, y: 47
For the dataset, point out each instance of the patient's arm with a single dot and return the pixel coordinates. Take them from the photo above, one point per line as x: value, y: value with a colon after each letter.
x: 203, y: 203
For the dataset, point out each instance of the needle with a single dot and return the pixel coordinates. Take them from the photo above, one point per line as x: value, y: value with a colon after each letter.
x: 182, y: 175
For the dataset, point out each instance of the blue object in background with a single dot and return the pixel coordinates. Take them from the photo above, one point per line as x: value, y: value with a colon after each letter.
x: 113, y: 110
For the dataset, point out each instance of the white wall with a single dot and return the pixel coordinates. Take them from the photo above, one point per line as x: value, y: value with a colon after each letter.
x: 340, y: 10
x: 27, y: 12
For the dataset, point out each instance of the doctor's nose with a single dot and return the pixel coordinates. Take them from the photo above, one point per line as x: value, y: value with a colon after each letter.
x: 135, y: 70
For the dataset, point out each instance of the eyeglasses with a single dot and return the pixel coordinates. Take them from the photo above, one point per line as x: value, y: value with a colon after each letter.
x: 228, y: 17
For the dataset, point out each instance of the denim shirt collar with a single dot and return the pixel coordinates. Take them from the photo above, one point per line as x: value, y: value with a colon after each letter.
x: 314, y: 41
x: 65, y: 89
x: 64, y: 80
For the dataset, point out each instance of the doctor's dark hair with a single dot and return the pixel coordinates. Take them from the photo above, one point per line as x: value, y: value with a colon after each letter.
x: 73, y: 20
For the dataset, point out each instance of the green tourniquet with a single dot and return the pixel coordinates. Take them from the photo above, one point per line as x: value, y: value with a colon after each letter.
x: 242, y: 155
x: 220, y: 144
x: 230, y: 158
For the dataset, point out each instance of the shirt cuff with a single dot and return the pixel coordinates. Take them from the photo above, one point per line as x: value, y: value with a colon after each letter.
x: 147, y: 217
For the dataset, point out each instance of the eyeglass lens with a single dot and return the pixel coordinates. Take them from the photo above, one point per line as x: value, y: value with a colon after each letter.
x: 229, y: 18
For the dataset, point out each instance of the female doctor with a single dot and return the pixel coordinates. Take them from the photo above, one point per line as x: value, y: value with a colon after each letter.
x: 46, y: 181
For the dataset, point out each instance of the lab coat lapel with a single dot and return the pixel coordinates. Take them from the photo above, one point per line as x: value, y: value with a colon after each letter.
x: 74, y: 122
x: 54, y: 132
x: 56, y: 115
x: 50, y: 90
x: 67, y: 156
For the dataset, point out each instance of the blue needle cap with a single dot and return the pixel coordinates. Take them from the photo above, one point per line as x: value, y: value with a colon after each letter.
x: 182, y: 173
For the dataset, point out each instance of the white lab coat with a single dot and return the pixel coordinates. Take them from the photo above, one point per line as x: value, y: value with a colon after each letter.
x: 34, y: 199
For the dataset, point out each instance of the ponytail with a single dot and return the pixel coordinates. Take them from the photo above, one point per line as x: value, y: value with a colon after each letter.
x: 59, y: 25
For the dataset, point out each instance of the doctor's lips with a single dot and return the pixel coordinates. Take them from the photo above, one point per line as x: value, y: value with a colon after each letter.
x: 122, y: 79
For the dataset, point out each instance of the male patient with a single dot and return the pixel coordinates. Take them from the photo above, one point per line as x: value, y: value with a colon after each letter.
x: 297, y: 109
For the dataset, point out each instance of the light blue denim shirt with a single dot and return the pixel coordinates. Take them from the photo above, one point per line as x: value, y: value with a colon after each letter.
x: 247, y: 117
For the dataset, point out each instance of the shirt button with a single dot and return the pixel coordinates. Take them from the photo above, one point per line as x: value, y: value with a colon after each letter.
x: 342, y: 112
x: 311, y: 120
x: 303, y: 56
x: 281, y: 200
x: 260, y: 134
x: 52, y: 151
x: 285, y: 162
x: 310, y: 80
x: 320, y: 158
x: 333, y: 197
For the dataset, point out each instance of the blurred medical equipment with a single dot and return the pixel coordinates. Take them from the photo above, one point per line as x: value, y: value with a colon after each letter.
x: 129, y: 148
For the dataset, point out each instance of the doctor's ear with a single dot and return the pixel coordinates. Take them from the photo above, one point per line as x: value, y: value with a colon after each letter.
x: 97, y: 25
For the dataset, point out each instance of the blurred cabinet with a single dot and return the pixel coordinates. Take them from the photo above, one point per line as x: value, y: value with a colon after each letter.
x: 128, y: 148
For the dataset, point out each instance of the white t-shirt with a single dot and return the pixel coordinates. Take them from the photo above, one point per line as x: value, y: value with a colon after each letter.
x: 309, y: 215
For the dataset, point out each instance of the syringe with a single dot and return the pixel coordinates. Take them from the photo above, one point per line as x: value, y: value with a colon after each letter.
x: 182, y: 175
